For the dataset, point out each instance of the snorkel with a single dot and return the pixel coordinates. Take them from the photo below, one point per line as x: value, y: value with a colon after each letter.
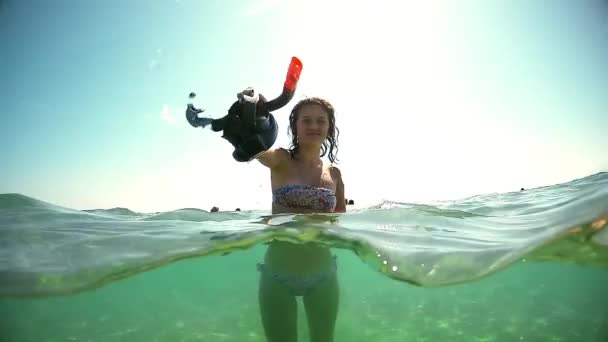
x: 289, y: 87
x: 249, y: 125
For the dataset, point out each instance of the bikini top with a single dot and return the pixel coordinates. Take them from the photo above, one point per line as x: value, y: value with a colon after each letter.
x: 305, y: 196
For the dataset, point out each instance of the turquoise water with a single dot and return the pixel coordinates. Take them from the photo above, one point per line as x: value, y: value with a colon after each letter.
x: 528, y: 266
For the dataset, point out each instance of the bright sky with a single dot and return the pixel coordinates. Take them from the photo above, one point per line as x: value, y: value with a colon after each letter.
x: 434, y: 100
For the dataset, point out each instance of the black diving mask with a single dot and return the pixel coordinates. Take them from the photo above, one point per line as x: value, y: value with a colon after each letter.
x: 249, y: 125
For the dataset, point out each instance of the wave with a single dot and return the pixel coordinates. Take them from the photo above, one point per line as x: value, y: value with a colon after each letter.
x: 51, y: 250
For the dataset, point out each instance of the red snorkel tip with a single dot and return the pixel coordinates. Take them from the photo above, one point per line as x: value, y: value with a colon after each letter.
x: 293, y: 74
x: 289, y: 88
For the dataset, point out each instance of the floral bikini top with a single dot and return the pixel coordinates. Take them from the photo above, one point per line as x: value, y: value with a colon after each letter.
x: 305, y: 196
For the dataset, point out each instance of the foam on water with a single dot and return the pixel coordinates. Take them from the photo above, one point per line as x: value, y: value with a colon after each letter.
x: 50, y: 250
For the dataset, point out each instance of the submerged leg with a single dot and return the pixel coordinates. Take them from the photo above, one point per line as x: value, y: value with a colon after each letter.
x: 279, y: 311
x: 322, y: 310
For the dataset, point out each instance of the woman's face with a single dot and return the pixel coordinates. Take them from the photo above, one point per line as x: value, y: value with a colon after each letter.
x: 312, y: 125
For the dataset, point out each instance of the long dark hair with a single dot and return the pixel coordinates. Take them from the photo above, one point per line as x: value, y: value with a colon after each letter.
x: 332, y: 133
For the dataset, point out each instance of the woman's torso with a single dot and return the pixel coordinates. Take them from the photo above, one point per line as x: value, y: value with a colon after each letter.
x: 299, y: 188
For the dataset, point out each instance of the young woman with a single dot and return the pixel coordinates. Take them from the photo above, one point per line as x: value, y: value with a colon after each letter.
x: 302, y: 183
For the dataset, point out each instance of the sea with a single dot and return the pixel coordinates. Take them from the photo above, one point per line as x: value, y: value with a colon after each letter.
x: 527, y: 265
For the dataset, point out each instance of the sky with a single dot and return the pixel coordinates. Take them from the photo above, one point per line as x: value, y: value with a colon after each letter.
x: 434, y: 100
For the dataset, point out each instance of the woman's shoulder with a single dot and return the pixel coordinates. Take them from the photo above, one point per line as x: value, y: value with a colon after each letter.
x: 274, y: 157
x: 281, y: 150
x: 282, y: 154
x: 335, y: 171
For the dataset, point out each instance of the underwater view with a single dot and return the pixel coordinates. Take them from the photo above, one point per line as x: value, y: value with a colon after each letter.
x: 529, y: 265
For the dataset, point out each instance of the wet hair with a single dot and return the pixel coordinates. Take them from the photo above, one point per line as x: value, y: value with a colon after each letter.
x: 331, y: 143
